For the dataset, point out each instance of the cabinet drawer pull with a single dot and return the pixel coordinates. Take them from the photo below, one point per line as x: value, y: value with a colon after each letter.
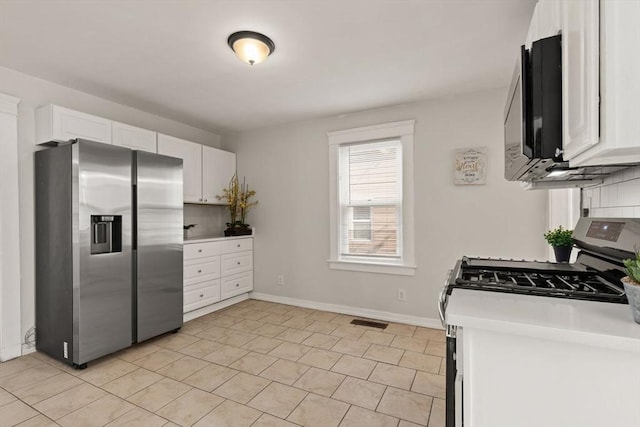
x: 237, y: 285
x: 200, y: 250
x: 205, y: 200
x: 238, y: 244
x: 199, y: 271
x: 199, y: 200
x: 201, y: 295
x: 238, y: 262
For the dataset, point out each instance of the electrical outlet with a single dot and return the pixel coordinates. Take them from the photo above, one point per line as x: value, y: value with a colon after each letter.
x: 280, y: 280
x: 402, y: 294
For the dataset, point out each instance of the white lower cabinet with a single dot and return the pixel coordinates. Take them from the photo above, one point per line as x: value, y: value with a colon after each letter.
x: 236, y: 263
x: 236, y: 284
x: 201, y: 294
x: 216, y: 270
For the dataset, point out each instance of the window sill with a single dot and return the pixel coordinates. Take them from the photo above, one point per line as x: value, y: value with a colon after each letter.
x: 369, y: 267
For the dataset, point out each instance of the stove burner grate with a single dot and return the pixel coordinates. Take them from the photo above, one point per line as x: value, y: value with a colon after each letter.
x: 566, y: 284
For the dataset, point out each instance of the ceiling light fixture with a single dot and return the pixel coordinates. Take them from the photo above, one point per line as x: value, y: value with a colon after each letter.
x: 251, y: 47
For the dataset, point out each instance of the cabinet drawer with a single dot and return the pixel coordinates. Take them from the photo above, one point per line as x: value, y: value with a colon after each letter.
x: 202, y: 270
x: 237, y: 245
x: 236, y: 263
x: 196, y: 297
x: 201, y: 250
x: 236, y: 285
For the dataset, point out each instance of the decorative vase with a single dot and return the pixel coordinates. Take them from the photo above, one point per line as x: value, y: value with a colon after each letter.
x: 632, y: 289
x: 563, y: 253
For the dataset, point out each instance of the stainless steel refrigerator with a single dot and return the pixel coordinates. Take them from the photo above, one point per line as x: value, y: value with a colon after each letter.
x: 108, y: 249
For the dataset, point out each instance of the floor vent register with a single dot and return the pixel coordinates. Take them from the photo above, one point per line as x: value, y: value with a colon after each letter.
x: 369, y: 323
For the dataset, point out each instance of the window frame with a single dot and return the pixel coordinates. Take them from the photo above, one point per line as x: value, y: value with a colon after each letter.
x: 366, y: 221
x: 404, y: 132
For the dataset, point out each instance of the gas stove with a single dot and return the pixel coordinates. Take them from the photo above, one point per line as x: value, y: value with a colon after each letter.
x: 559, y: 280
x: 595, y: 276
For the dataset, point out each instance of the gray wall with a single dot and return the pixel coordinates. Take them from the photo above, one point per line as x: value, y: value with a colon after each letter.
x: 288, y: 166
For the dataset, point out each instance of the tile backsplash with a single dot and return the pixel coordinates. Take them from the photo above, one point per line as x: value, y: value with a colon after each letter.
x: 618, y: 196
x: 210, y: 220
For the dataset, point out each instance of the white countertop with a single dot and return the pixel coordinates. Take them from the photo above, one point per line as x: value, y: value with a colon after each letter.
x: 202, y: 239
x: 592, y: 323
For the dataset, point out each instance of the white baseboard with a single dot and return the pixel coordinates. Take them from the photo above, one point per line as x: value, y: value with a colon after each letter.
x: 352, y: 311
x: 10, y: 352
x: 213, y: 307
x: 28, y: 349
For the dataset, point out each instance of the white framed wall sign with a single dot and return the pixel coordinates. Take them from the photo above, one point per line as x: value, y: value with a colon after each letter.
x: 470, y: 166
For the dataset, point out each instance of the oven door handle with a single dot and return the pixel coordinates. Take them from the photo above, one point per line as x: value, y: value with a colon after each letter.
x: 442, y: 300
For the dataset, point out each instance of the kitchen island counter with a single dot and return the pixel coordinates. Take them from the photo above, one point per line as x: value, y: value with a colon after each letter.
x: 537, y: 361
x: 599, y: 324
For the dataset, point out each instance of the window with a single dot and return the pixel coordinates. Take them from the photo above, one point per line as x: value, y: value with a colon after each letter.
x: 372, y: 198
x: 361, y: 223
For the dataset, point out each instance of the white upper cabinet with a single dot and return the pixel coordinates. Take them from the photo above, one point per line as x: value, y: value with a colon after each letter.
x: 601, y: 88
x: 549, y: 19
x: 191, y: 155
x: 580, y: 76
x: 218, y: 167
x: 55, y: 123
x: 207, y: 170
x: 133, y: 137
x: 532, y: 33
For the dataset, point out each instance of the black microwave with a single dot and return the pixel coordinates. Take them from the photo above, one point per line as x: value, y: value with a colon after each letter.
x: 533, y: 113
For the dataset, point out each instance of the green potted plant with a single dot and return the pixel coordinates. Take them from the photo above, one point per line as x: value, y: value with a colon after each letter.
x: 562, y: 242
x: 632, y: 284
x: 238, y: 202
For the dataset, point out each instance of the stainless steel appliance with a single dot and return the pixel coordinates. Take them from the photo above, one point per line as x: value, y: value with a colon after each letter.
x: 533, y: 114
x: 533, y: 123
x: 595, y: 276
x: 108, y: 249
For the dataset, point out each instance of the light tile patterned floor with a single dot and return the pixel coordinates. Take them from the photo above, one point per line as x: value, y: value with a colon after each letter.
x: 254, y: 364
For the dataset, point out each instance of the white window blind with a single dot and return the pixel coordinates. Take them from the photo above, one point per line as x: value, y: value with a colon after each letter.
x: 370, y: 200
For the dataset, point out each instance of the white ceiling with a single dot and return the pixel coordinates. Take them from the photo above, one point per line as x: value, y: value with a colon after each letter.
x: 171, y: 58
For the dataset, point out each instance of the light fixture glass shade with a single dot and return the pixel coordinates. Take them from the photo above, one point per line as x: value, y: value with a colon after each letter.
x: 251, y: 47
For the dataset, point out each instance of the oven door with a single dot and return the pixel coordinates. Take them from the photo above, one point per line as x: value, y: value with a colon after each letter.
x: 454, y: 370
x: 454, y: 378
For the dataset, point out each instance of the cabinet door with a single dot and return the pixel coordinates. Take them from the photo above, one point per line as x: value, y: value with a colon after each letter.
x: 132, y: 137
x: 619, y: 87
x: 195, y: 251
x: 55, y: 123
x: 236, y: 245
x: 236, y: 285
x: 580, y: 76
x: 208, y: 269
x: 218, y: 167
x: 236, y: 263
x: 201, y: 295
x: 191, y: 155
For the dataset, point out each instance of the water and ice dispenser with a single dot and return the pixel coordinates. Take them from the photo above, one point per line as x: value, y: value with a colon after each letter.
x: 106, y: 234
